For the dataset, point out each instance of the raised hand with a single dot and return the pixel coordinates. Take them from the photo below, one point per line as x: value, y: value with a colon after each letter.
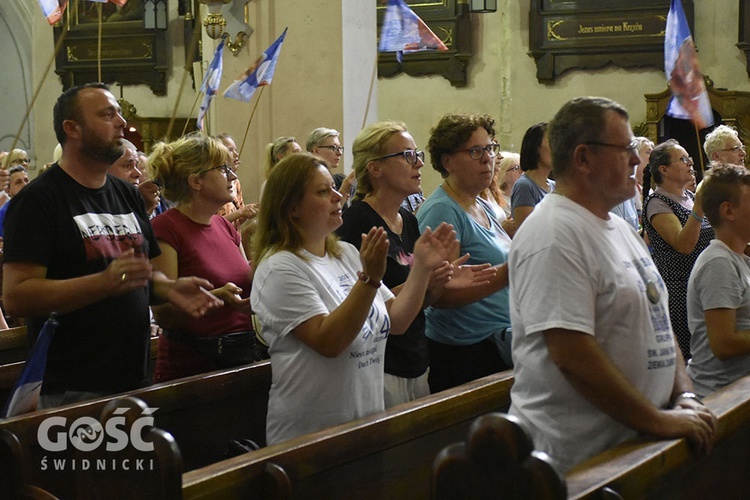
x: 435, y: 247
x: 471, y: 275
x: 373, y: 253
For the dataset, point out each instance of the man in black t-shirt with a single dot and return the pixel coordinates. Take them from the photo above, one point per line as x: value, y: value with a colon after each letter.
x: 78, y: 243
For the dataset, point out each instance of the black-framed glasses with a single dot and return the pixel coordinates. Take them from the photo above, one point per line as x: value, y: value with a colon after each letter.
x: 686, y: 160
x: 334, y: 148
x: 630, y: 148
x: 736, y: 148
x: 410, y: 155
x: 476, y: 153
x: 225, y: 169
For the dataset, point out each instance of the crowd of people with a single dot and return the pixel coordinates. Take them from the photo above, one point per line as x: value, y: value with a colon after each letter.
x: 591, y: 264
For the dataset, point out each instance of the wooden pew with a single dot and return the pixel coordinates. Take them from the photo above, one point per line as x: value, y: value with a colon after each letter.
x: 671, y: 469
x: 388, y: 455
x: 202, y: 413
x: 14, y: 345
x: 13, y: 351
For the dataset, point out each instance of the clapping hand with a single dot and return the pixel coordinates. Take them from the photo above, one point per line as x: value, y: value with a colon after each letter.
x: 373, y: 253
x: 191, y: 296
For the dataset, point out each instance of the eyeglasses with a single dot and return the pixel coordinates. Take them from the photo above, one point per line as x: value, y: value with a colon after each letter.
x: 334, y: 148
x: 630, y: 148
x: 736, y: 148
x: 687, y: 160
x: 410, y: 155
x: 225, y: 169
x: 514, y: 168
x: 476, y: 153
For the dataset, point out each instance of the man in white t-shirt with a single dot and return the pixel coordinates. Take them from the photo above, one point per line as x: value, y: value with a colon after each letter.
x: 594, y: 353
x: 718, y: 292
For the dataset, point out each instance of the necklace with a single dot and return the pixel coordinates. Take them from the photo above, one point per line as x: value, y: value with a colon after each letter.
x: 473, y: 209
x: 395, y: 224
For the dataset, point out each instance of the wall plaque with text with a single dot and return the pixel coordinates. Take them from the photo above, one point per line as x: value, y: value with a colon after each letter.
x: 586, y: 34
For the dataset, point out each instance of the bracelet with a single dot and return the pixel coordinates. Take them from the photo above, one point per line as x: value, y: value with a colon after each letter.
x: 688, y: 395
x: 368, y: 281
x: 695, y: 216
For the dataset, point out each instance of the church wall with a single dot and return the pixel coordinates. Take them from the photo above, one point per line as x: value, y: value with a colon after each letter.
x: 502, y: 78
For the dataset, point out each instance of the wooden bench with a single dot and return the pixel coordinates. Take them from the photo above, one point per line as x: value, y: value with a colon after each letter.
x: 671, y: 469
x: 14, y: 349
x: 388, y: 455
x: 202, y: 412
x: 14, y: 345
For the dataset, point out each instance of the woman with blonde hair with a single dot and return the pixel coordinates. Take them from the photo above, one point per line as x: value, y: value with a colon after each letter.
x: 195, y: 241
x: 324, y: 312
x: 17, y: 157
x: 388, y: 168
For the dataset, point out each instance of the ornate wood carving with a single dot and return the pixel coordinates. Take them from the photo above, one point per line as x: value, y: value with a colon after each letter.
x: 130, y: 54
x: 590, y: 34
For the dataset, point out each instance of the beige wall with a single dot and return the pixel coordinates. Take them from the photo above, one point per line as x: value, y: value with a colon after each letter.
x: 502, y: 79
x: 318, y: 83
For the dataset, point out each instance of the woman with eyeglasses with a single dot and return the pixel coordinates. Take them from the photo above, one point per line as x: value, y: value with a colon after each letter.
x: 17, y: 157
x: 324, y: 313
x: 536, y: 163
x: 462, y: 340
x: 195, y: 241
x: 324, y: 142
x: 388, y: 168
x: 674, y: 222
x: 507, y: 172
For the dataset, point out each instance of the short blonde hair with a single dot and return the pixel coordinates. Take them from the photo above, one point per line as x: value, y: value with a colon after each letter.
x: 371, y: 143
x: 174, y: 162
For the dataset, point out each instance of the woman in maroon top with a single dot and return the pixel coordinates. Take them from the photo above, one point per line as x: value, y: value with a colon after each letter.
x: 197, y: 242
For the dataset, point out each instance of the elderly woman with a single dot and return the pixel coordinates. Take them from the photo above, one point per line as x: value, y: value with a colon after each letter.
x: 674, y: 222
x: 536, y: 163
x: 462, y: 340
x: 196, y: 242
x: 324, y: 312
x: 388, y: 164
x: 507, y: 172
x: 17, y: 157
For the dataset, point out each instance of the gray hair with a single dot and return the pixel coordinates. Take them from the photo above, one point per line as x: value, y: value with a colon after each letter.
x: 716, y: 139
x: 318, y: 136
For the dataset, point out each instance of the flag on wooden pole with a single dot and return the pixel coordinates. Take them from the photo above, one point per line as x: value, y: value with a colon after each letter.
x: 258, y: 75
x: 690, y: 99
x: 403, y: 31
x: 211, y: 82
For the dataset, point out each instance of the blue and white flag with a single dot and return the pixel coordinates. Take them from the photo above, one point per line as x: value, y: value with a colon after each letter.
x: 211, y: 82
x: 25, y: 394
x: 53, y: 9
x: 404, y: 31
x: 690, y: 99
x: 258, y: 75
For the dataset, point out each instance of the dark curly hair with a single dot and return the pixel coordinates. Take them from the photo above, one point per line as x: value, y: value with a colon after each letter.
x: 452, y: 132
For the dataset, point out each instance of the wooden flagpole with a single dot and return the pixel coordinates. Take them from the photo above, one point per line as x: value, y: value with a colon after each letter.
x: 58, y: 47
x: 252, y: 113
x: 369, y: 94
x: 700, y: 149
x: 99, y: 44
x: 188, y: 67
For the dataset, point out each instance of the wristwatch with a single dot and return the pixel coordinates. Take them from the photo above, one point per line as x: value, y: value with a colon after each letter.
x: 368, y: 281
